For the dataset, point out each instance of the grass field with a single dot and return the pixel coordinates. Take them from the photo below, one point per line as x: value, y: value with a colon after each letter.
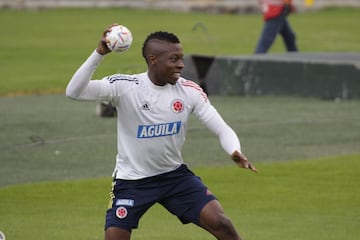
x: 309, y: 198
x: 40, y: 49
x: 56, y: 155
x: 300, y: 200
x: 64, y: 137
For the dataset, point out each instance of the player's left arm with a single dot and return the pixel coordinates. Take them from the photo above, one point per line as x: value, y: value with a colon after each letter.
x: 209, y: 116
x: 228, y: 138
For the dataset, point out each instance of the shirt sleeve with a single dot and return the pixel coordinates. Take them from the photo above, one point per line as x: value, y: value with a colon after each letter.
x: 227, y: 136
x: 212, y: 120
x: 80, y: 87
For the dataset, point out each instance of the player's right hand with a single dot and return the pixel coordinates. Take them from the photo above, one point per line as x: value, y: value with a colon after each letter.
x: 102, y: 47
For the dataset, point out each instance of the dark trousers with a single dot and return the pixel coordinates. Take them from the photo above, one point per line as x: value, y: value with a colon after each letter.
x: 271, y: 28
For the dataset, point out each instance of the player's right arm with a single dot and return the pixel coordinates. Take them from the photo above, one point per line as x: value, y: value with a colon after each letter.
x: 80, y: 87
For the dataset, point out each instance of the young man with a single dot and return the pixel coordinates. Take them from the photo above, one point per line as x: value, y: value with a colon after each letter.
x: 153, y: 111
x: 275, y: 13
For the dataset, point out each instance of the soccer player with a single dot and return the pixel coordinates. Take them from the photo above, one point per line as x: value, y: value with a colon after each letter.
x: 153, y: 109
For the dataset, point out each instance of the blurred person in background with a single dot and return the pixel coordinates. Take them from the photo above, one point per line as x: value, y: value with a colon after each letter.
x: 275, y: 14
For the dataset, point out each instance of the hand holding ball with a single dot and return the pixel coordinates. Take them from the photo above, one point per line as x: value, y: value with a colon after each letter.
x: 119, y: 39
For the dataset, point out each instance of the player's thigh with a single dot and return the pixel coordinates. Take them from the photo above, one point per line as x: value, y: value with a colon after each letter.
x: 187, y: 198
x: 129, y: 201
x: 115, y: 233
x: 212, y: 214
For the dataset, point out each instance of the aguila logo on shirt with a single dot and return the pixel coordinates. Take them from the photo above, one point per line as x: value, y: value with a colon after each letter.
x: 158, y: 130
x: 177, y: 106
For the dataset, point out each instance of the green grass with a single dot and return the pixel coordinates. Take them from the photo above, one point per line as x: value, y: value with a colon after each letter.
x: 299, y: 200
x: 51, y: 137
x: 56, y: 155
x: 40, y: 49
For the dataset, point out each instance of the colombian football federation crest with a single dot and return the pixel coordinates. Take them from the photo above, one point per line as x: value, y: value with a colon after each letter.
x: 177, y: 106
x: 121, y: 212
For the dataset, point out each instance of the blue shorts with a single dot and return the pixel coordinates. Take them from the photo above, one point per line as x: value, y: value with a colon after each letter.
x: 179, y: 191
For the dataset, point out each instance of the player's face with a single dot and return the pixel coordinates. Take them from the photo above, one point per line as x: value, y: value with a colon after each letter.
x: 167, y: 64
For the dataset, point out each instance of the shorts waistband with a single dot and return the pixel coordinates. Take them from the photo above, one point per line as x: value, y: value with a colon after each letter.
x: 181, y: 168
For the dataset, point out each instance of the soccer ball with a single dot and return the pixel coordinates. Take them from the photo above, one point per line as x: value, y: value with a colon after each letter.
x: 119, y: 39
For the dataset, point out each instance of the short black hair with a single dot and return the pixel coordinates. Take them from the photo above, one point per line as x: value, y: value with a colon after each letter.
x: 159, y: 35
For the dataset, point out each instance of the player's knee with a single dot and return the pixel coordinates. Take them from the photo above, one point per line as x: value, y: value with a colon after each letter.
x: 222, y: 222
x: 224, y: 227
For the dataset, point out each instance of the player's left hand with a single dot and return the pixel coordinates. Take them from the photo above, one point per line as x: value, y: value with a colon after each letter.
x: 242, y: 161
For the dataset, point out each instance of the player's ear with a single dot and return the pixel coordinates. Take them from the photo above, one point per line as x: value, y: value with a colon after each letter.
x: 152, y: 59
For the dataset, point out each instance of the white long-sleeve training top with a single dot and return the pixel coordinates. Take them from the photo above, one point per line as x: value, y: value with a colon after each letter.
x: 151, y: 120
